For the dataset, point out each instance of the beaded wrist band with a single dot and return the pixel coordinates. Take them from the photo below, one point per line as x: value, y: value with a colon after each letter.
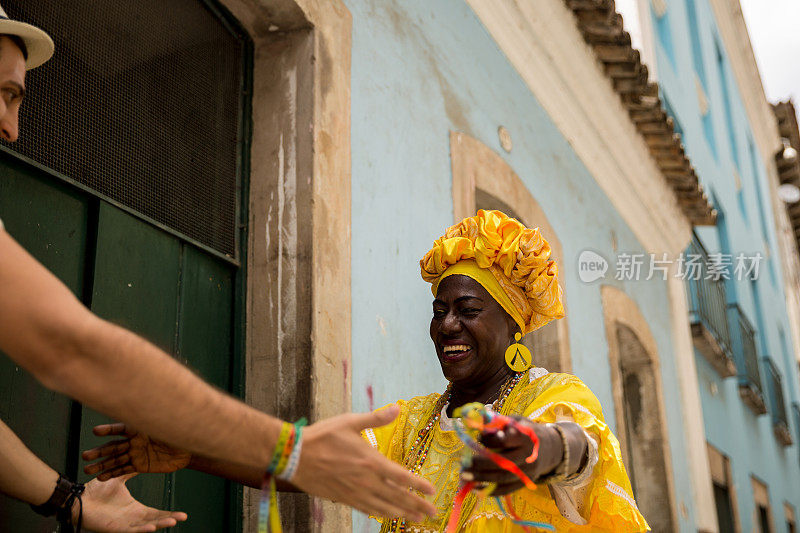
x: 560, y: 473
x: 294, y: 458
x: 282, y: 447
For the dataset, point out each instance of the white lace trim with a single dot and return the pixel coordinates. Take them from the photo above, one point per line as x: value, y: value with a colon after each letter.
x: 486, y: 514
x: 537, y: 372
x: 371, y: 437
x: 578, y: 407
x: 615, y: 489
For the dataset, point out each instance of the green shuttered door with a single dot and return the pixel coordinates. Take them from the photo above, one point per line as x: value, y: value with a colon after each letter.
x: 179, y: 297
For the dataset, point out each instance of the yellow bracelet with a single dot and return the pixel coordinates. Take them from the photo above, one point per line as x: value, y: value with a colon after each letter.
x: 287, y: 430
x: 287, y: 451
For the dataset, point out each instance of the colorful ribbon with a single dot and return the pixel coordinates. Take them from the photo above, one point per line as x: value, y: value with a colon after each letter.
x: 478, y: 418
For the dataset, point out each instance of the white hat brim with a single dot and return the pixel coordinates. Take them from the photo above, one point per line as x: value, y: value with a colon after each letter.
x: 40, y: 46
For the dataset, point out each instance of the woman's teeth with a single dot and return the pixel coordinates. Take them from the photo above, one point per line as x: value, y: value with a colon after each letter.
x: 456, y: 348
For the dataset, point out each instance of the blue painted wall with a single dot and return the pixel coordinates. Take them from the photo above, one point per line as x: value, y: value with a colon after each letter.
x: 721, y: 144
x: 419, y: 70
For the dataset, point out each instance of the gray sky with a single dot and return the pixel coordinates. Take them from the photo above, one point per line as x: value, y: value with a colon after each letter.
x: 774, y: 27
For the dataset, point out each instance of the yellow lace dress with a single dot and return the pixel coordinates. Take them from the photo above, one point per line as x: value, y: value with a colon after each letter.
x: 601, y: 501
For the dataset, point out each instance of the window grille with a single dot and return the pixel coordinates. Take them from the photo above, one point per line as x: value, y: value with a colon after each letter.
x: 142, y: 104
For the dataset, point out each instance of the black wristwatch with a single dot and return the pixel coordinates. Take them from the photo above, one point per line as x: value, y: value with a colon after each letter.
x: 62, y: 498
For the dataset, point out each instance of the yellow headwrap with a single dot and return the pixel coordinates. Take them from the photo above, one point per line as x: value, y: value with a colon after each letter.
x: 510, y: 261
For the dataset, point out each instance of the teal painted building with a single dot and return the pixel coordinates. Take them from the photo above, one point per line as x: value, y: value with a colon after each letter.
x: 423, y: 70
x: 749, y: 417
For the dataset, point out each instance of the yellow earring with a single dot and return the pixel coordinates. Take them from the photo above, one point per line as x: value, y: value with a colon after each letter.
x: 518, y: 357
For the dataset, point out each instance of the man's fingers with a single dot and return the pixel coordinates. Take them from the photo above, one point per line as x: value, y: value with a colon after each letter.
x: 375, y: 419
x: 117, y: 472
x: 103, y: 430
x: 402, y: 477
x: 379, y: 506
x: 404, y: 502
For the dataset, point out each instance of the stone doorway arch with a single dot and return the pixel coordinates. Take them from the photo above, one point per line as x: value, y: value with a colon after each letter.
x: 639, y: 408
x: 483, y: 180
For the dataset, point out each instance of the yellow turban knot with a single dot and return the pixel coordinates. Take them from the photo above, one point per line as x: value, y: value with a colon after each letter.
x: 523, y: 278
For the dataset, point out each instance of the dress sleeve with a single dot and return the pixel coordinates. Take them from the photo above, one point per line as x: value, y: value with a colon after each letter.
x: 385, y: 439
x: 601, y: 494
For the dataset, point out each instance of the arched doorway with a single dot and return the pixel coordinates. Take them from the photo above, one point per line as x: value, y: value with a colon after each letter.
x: 483, y: 180
x: 639, y: 408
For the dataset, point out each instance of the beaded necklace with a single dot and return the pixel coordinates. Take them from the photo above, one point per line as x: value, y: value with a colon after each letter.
x: 418, y: 451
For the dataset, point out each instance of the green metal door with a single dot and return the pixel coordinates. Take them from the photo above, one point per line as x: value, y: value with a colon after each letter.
x: 136, y: 275
x: 127, y: 183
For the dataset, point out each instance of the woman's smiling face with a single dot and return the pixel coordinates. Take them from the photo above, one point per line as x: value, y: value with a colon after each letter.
x: 470, y: 331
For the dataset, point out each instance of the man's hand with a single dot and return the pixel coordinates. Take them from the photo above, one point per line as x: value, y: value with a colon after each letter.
x: 108, y: 507
x: 517, y: 447
x: 135, y: 453
x: 336, y: 463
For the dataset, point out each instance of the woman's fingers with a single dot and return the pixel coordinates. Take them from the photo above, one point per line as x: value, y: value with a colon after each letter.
x: 484, y: 469
x: 507, y: 488
x: 103, y: 430
x: 110, y: 448
x: 108, y: 464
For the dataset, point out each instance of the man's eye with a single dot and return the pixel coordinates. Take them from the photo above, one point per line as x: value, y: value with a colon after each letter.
x: 438, y: 313
x: 471, y: 311
x: 10, y: 95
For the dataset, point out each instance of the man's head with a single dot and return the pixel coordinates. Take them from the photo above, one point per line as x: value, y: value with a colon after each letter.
x: 12, y: 87
x: 22, y: 47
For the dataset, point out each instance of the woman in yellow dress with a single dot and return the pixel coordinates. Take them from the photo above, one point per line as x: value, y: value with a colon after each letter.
x: 493, y: 278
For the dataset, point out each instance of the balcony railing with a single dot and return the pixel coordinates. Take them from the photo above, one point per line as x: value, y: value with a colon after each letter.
x: 780, y: 422
x: 708, y: 313
x: 743, y: 340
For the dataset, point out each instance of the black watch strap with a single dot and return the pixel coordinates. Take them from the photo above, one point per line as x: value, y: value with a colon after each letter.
x: 63, y: 491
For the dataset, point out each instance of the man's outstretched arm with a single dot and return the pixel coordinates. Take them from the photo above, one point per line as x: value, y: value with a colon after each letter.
x: 47, y: 331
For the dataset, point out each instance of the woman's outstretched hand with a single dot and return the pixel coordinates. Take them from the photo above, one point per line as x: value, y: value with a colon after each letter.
x: 108, y: 507
x: 517, y: 447
x: 135, y: 453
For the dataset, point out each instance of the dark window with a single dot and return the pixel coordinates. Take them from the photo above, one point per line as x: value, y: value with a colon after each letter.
x: 141, y: 103
x: 763, y: 519
x: 722, y: 499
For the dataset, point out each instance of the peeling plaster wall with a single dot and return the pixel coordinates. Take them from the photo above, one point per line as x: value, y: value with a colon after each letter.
x: 419, y: 70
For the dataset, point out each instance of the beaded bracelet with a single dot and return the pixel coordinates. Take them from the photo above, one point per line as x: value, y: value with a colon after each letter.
x: 286, y: 452
x: 294, y: 459
x: 561, y: 471
x: 284, y: 463
x: 287, y: 430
